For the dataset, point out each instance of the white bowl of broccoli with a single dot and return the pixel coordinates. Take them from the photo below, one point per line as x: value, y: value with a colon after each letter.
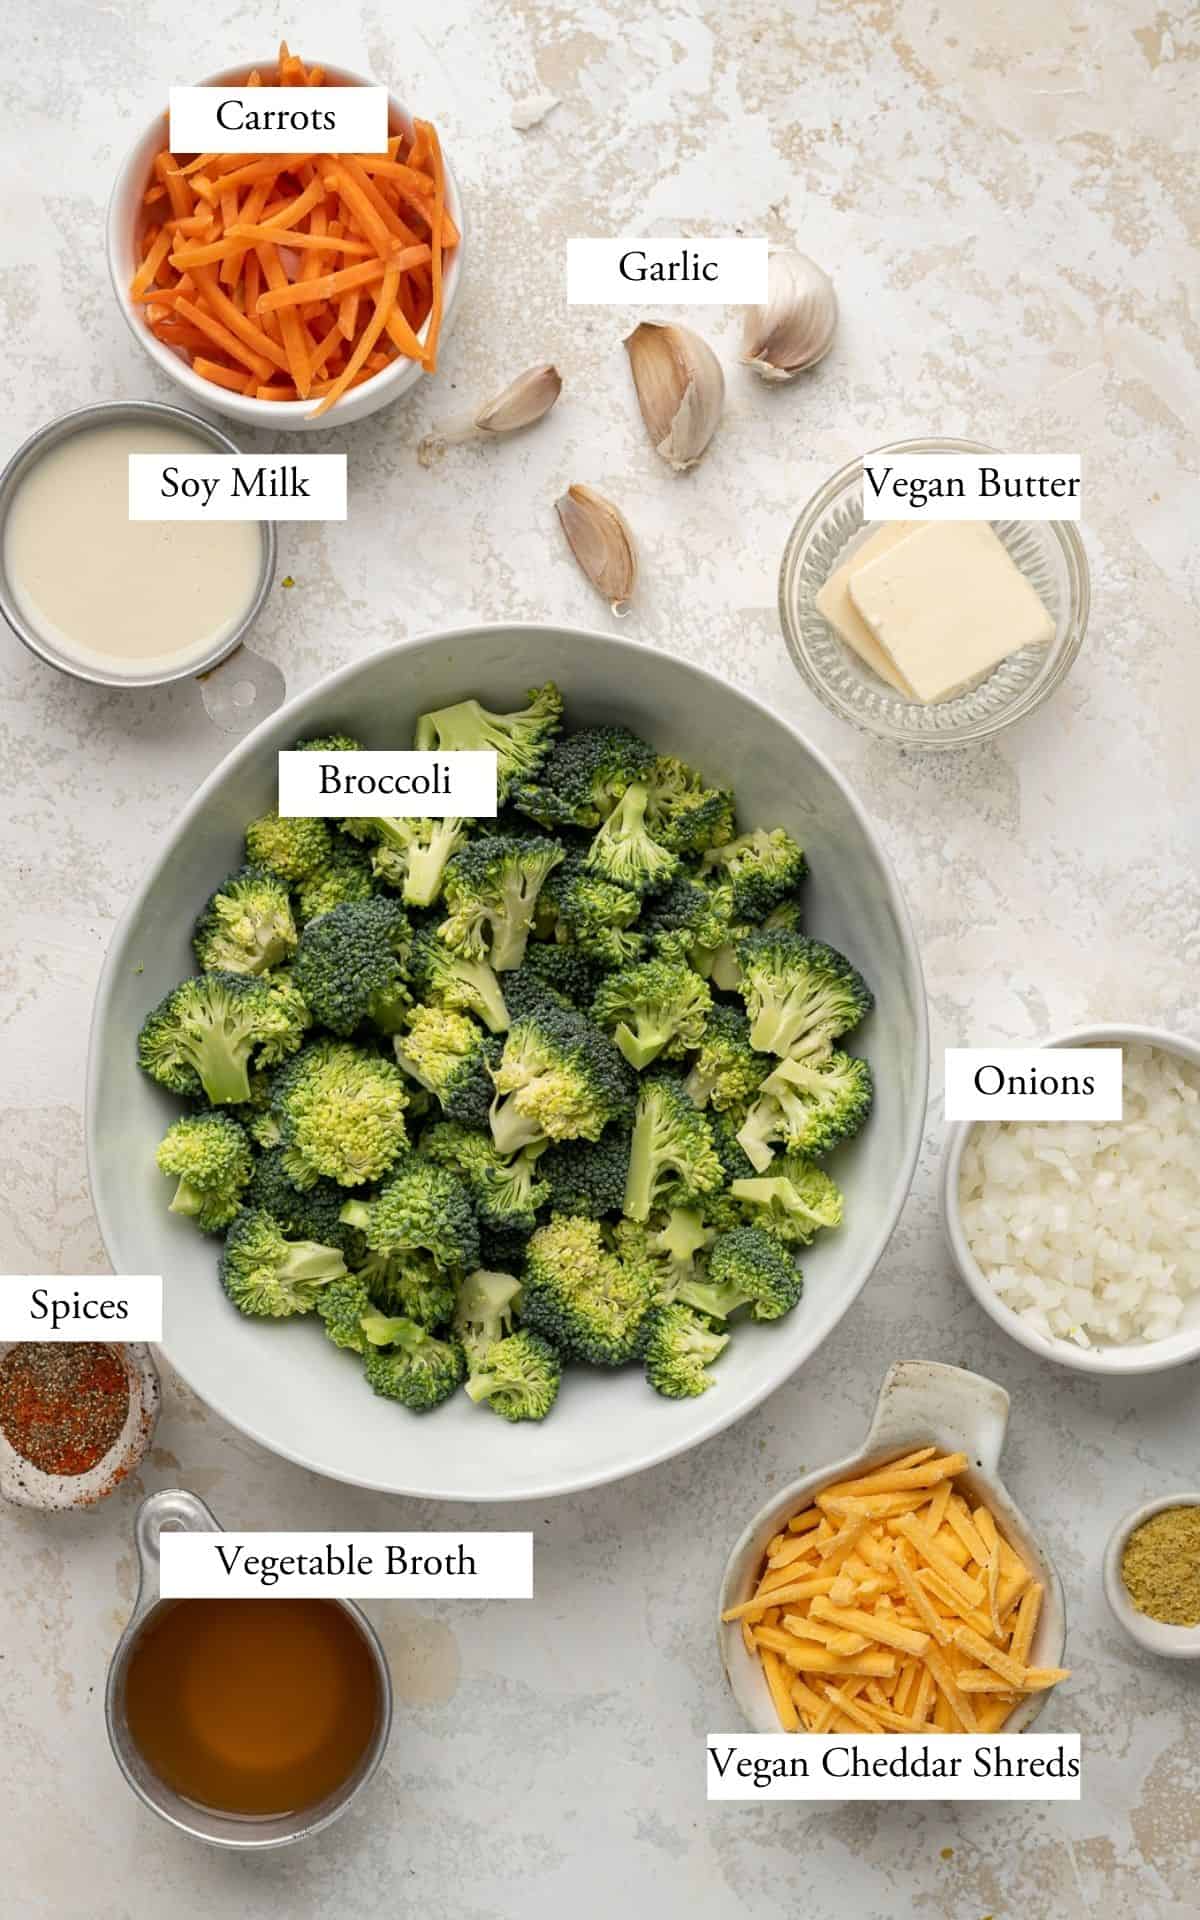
x: 596, y: 1118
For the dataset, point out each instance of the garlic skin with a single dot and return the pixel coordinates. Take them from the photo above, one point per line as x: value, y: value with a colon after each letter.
x: 598, y: 535
x: 680, y: 389
x: 526, y: 400
x: 795, y: 328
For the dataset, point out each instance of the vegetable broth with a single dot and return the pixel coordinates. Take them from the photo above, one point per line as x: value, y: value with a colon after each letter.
x: 141, y: 597
x: 258, y: 1707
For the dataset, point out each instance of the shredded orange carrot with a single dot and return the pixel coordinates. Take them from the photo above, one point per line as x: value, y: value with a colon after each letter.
x: 296, y: 276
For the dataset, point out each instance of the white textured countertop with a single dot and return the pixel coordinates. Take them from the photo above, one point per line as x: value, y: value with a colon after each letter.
x: 1002, y: 195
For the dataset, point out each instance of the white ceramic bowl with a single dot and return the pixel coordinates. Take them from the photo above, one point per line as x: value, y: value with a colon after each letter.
x: 272, y: 416
x: 27, y: 1486
x: 921, y: 1403
x: 284, y: 1384
x: 1155, y: 1636
x: 1151, y: 1356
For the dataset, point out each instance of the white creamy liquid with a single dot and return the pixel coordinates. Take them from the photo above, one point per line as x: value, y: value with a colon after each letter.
x: 142, y: 597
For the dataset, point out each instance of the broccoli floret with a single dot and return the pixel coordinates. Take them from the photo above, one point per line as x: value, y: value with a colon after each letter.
x: 246, y: 925
x: 341, y: 880
x: 423, y: 1206
x: 256, y: 1116
x: 314, y: 1214
x: 584, y: 777
x: 746, y: 1268
x: 414, y: 1366
x: 502, y: 1249
x: 484, y: 1310
x: 330, y: 743
x: 580, y: 1295
x: 507, y: 1191
x: 518, y: 1377
x: 209, y: 1155
x: 727, y: 1070
x: 657, y: 1008
x: 688, y: 920
x: 293, y: 849
x: 587, y: 1176
x: 410, y: 853
x: 520, y: 741
x: 684, y: 815
x: 668, y: 1245
x: 593, y: 914
x: 809, y: 1105
x: 202, y: 1035
x: 453, y: 1059
x: 452, y: 980
x: 730, y: 1151
x: 341, y: 1113
x: 492, y: 888
x: 672, y: 1160
x: 288, y: 1018
x: 552, y: 969
x: 787, y: 917
x: 410, y: 1283
x: 764, y: 867
x: 350, y: 966
x: 679, y: 1348
x: 341, y: 1306
x: 559, y: 1078
x: 794, y: 1201
x: 626, y: 852
x: 265, y: 1272
x: 800, y: 995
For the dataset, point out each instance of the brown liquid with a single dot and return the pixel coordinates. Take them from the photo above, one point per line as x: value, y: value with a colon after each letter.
x: 251, y: 1706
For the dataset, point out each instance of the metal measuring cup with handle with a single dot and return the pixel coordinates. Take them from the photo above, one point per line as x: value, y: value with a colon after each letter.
x: 175, y: 1509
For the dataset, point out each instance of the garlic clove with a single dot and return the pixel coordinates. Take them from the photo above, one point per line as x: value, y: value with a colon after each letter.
x: 795, y: 328
x: 524, y: 401
x: 680, y: 389
x: 599, y: 537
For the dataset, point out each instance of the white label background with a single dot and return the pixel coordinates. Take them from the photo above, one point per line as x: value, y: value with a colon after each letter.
x: 323, y: 474
x: 360, y: 113
x: 142, y: 1294
x: 594, y: 277
x: 822, y: 1750
x: 472, y: 785
x: 965, y: 1102
x: 921, y: 468
x: 193, y: 1570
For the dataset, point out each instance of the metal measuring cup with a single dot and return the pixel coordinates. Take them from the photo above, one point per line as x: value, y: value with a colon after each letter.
x: 175, y: 1509
x: 238, y: 686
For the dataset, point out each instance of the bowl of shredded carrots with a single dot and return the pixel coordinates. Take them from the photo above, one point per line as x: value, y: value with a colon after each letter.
x: 290, y: 290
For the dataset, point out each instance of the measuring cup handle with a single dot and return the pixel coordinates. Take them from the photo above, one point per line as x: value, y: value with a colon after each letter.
x: 922, y: 1401
x: 241, y: 690
x: 172, y: 1510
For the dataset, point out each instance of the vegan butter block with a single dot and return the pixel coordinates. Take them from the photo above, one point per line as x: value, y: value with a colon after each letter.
x: 947, y: 604
x: 843, y: 616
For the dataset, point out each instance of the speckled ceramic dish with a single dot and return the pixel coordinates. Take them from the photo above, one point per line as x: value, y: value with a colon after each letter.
x: 1048, y: 552
x: 284, y: 1383
x: 28, y: 1486
x: 1154, y: 1636
x: 921, y: 1403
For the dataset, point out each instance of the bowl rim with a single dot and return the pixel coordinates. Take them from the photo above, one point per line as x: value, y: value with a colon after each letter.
x: 280, y: 414
x: 1121, y: 1362
x: 554, y: 1483
x: 1071, y: 549
x: 1153, y: 1636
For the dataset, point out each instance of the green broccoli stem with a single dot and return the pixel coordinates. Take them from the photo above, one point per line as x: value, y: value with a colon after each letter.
x: 511, y: 1129
x: 222, y: 1071
x: 482, y: 979
x: 642, y: 1044
x: 427, y: 865
x: 639, y: 1184
x: 719, y: 1302
x: 308, y: 1261
x: 356, y: 1213
x: 188, y: 1200
x: 481, y: 1386
x: 753, y: 1136
x: 387, y: 1008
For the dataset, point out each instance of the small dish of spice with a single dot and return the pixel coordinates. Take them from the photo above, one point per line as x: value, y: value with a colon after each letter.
x: 1152, y: 1575
x: 75, y: 1418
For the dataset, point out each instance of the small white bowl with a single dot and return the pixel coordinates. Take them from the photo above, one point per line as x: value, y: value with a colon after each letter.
x: 1174, y: 1643
x: 288, y: 416
x: 1142, y: 1356
x: 27, y: 1486
x: 921, y: 1403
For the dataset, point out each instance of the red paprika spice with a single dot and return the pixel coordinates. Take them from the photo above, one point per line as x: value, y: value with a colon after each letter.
x: 63, y: 1404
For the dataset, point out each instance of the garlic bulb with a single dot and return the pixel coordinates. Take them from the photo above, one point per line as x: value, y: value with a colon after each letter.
x: 599, y: 537
x: 680, y: 389
x: 795, y: 328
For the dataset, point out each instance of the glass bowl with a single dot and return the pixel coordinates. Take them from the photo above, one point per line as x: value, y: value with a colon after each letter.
x: 1048, y: 552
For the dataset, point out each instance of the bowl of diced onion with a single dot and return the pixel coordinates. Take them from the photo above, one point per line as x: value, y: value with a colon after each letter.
x: 1082, y: 1238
